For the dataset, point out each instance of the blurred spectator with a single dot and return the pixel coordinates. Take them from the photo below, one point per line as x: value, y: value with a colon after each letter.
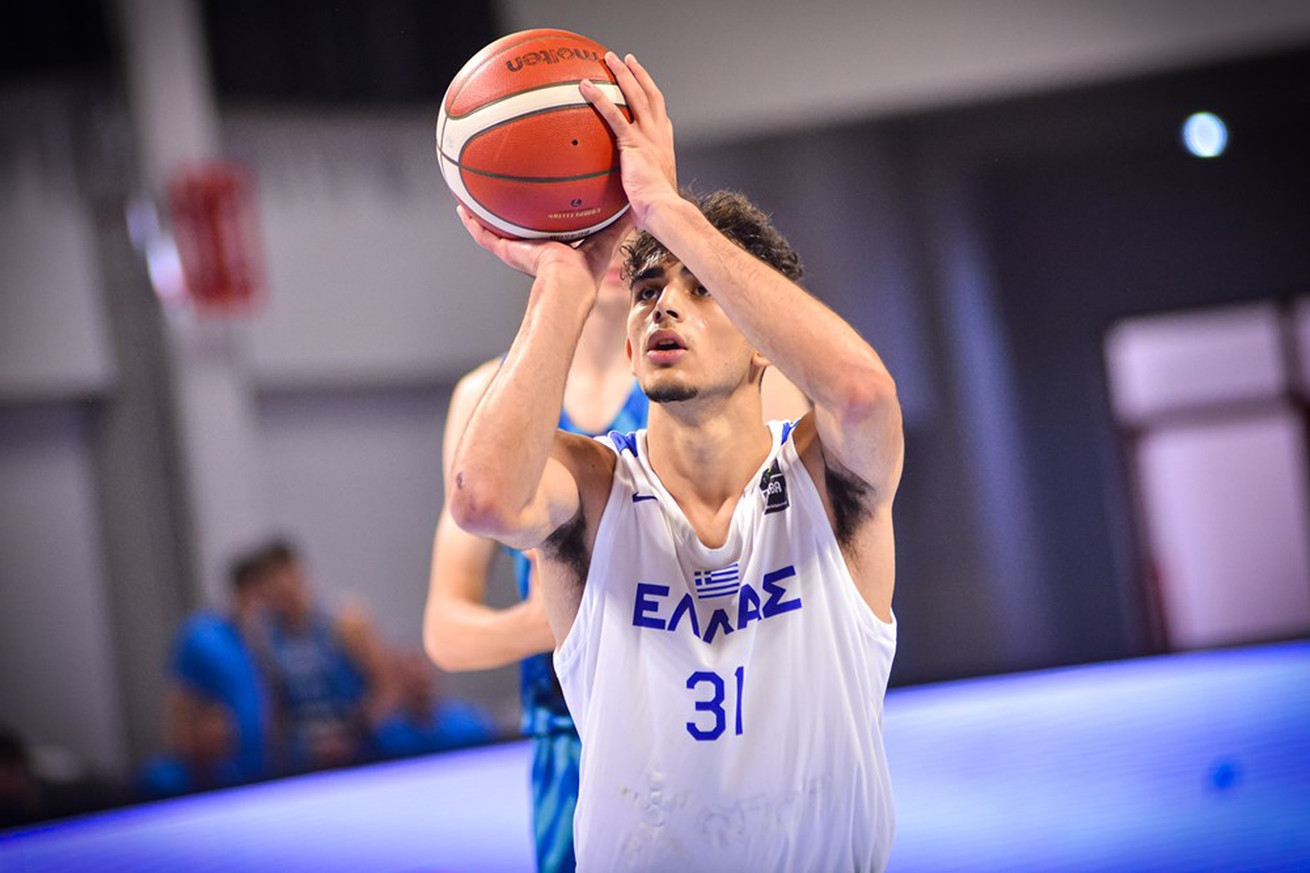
x: 44, y: 782
x: 201, y: 741
x: 420, y: 720
x: 328, y: 676
x: 20, y: 795
x: 216, y: 658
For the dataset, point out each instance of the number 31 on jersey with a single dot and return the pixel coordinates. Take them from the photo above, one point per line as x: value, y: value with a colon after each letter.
x: 708, y: 682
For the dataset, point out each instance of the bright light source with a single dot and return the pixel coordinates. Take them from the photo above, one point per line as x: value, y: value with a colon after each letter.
x: 1205, y: 135
x: 163, y: 262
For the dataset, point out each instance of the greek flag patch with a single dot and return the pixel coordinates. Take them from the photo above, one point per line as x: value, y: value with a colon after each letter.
x: 717, y: 583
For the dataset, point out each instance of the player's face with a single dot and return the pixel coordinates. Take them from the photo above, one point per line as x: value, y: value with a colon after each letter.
x: 288, y: 593
x: 680, y: 343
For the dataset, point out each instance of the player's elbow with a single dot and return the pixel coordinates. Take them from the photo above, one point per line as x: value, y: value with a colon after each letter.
x: 437, y: 646
x: 443, y: 640
x: 867, y: 393
x: 478, y: 508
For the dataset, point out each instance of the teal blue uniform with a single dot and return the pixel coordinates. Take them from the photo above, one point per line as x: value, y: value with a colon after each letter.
x: 556, y: 747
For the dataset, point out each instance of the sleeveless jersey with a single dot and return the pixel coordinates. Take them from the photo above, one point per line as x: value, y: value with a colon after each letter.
x: 544, y: 711
x: 319, y: 686
x: 729, y: 700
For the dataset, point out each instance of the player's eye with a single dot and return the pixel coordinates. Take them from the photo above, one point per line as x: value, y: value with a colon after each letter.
x: 645, y: 293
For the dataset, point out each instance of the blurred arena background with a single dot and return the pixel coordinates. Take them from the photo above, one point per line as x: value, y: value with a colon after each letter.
x: 1099, y: 323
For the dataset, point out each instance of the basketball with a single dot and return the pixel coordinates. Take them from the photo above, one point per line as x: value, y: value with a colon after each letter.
x: 521, y: 148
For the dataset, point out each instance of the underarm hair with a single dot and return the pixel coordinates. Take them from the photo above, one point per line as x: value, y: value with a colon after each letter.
x: 849, y: 499
x: 568, y: 546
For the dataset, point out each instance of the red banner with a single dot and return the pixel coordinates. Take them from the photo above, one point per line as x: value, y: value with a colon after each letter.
x: 216, y: 229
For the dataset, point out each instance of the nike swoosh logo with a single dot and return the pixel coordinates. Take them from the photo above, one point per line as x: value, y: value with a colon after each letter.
x: 637, y: 498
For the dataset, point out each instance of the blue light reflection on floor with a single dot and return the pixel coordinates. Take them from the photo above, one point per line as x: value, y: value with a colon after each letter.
x: 1196, y: 762
x: 1192, y: 762
x: 464, y: 811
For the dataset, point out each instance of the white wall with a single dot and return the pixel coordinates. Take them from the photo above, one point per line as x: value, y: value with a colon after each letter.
x: 58, y: 684
x: 1228, y: 527
x: 1220, y: 467
x: 52, y: 337
x: 731, y: 67
x: 371, y: 278
x: 58, y: 681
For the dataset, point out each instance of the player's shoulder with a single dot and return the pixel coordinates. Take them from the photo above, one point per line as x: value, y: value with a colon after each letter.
x: 592, y: 451
x: 592, y: 463
x: 205, y: 638
x: 201, y: 627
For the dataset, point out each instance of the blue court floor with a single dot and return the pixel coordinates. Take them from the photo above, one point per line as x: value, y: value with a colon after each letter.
x: 1196, y: 762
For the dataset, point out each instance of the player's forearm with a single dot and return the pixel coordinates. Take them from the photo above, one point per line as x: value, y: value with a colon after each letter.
x: 809, y: 343
x: 502, y: 454
x: 466, y: 636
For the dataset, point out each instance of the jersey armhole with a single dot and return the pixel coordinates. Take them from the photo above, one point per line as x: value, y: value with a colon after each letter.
x: 869, y: 621
x: 567, y: 652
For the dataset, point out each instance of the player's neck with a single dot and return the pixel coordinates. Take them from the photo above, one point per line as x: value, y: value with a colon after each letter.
x: 706, y: 452
x: 600, y: 378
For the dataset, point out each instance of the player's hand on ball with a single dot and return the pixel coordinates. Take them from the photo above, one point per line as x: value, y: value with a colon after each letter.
x: 599, y: 248
x: 646, y: 142
x: 523, y: 255
x: 590, y: 257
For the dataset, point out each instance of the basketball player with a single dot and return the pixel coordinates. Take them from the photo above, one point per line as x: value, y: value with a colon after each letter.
x: 461, y: 632
x: 720, y: 590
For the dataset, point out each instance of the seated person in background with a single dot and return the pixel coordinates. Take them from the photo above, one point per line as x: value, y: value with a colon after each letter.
x: 216, y: 658
x: 329, y: 675
x: 421, y: 720
x: 201, y: 740
x: 40, y: 781
x: 20, y: 793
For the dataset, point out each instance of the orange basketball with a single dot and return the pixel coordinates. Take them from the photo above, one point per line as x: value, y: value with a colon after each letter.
x: 521, y: 148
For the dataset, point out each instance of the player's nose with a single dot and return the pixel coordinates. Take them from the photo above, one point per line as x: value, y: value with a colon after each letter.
x: 669, y: 305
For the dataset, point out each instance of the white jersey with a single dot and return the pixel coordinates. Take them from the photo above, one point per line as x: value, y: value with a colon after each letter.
x: 729, y: 700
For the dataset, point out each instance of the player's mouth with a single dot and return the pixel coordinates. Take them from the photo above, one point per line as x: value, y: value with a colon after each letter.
x: 664, y: 347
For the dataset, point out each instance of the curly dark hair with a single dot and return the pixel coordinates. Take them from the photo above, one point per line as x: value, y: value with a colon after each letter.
x: 736, y: 218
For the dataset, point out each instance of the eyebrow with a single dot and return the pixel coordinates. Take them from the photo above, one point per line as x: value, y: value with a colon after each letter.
x: 648, y: 273
x: 656, y: 271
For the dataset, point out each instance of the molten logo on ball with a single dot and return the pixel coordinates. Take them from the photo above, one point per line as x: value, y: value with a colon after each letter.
x: 551, y: 56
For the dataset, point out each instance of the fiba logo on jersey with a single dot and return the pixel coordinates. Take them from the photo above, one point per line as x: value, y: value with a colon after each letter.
x: 773, y: 485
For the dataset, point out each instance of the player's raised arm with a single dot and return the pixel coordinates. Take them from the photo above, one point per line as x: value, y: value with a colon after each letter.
x: 513, y: 476
x: 856, y: 410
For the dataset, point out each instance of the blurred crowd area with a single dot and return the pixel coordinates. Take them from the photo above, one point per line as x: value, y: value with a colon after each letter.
x: 272, y: 684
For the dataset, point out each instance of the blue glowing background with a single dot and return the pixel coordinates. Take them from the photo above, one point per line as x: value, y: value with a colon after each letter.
x: 1195, y: 762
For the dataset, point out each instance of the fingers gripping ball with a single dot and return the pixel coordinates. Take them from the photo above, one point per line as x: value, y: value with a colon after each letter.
x: 521, y: 148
